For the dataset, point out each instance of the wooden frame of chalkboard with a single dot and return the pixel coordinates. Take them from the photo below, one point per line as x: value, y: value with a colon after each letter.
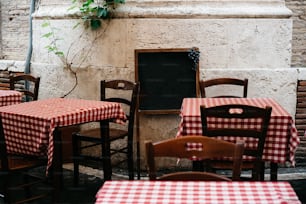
x: 166, y: 77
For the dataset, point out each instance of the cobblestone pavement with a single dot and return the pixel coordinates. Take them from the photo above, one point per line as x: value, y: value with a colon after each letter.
x: 290, y: 173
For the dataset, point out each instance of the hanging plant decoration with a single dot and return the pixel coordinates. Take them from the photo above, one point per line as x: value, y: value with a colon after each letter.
x: 94, y: 11
x: 194, y: 55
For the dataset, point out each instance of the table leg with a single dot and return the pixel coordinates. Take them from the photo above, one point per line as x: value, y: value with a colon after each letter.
x: 107, y: 166
x: 273, y: 173
x: 57, y: 167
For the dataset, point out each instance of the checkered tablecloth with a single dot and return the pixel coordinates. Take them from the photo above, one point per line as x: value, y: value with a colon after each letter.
x: 9, y: 97
x: 29, y: 126
x: 282, y: 138
x: 195, y: 192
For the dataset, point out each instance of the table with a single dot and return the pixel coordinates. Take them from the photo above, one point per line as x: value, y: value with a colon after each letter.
x: 31, y: 128
x: 195, y: 192
x: 9, y: 97
x: 282, y: 138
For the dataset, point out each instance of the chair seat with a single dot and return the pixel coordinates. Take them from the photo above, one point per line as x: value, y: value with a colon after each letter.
x: 193, y: 176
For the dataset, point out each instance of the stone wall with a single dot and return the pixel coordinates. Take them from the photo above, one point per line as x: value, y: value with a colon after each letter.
x: 14, y: 32
x: 299, y: 32
x: 14, y: 25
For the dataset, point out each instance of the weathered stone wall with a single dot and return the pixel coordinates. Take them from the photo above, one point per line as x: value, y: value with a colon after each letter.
x: 14, y: 30
x: 255, y: 44
x: 299, y: 32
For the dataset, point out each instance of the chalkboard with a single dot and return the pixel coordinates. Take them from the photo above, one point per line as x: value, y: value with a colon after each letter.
x: 166, y: 77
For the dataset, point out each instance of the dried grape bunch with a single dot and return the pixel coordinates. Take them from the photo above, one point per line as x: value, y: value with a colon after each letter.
x: 194, y: 55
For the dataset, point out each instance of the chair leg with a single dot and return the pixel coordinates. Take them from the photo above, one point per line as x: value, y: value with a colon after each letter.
x: 27, y: 188
x: 258, y: 172
x: 262, y: 171
x: 5, y: 186
x: 130, y: 162
x: 138, y: 160
x: 76, y: 173
x: 137, y: 145
x: 197, y: 166
x: 273, y: 173
x: 76, y: 157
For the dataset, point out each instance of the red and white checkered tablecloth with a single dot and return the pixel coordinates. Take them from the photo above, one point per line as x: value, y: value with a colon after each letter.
x: 195, y: 192
x: 282, y: 138
x: 29, y: 126
x: 9, y: 97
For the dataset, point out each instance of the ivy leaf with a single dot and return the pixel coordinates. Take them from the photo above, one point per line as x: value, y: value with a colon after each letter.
x: 45, y: 24
x: 95, y: 24
x: 50, y: 48
x: 47, y: 35
x: 102, y: 13
x: 88, y: 3
x: 59, y: 53
x: 119, y: 1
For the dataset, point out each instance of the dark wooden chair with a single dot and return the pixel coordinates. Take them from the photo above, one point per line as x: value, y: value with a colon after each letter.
x: 204, y: 84
x: 27, y: 84
x: 18, y: 183
x: 92, y: 137
x: 201, y: 147
x: 243, y: 115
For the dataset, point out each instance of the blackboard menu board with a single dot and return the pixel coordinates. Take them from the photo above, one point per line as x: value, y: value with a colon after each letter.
x: 166, y: 77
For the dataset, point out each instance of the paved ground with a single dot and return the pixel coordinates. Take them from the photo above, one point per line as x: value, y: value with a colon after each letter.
x: 283, y: 173
x: 92, y: 179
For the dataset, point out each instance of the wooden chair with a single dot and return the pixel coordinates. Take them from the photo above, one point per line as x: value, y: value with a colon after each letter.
x: 27, y: 84
x: 18, y: 167
x: 243, y: 115
x: 5, y: 80
x: 201, y: 147
x: 204, y: 84
x: 93, y: 137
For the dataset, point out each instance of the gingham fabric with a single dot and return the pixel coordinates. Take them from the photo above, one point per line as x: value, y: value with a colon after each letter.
x: 282, y: 138
x: 194, y: 146
x: 29, y: 126
x: 9, y: 97
x: 195, y: 192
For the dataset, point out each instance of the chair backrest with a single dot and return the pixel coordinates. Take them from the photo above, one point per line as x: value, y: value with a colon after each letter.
x: 244, y: 117
x: 204, y: 84
x: 131, y: 100
x: 27, y: 84
x: 194, y: 147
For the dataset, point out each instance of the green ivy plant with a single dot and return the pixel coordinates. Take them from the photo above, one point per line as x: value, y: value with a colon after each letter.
x: 94, y: 11
x: 53, y: 46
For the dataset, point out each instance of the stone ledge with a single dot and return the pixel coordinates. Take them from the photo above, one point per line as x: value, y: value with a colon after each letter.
x: 181, y: 9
